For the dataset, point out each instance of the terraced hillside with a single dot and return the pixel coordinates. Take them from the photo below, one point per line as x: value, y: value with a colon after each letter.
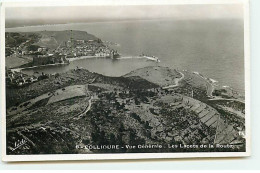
x: 69, y: 111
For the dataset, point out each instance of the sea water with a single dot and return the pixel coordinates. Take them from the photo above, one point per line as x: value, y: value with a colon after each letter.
x: 214, y: 48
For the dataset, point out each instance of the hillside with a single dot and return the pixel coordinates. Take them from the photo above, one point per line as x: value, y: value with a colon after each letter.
x: 149, y: 106
x: 49, y: 39
x: 53, y: 39
x: 162, y: 76
x: 77, y: 77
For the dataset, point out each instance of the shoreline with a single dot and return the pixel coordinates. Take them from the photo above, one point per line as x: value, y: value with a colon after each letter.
x: 92, y: 57
x: 19, y: 69
x: 211, y: 83
x: 25, y: 68
x: 83, y: 57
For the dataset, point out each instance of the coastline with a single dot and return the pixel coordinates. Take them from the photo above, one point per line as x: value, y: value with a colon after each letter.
x: 91, y: 57
x: 83, y: 57
x: 20, y: 69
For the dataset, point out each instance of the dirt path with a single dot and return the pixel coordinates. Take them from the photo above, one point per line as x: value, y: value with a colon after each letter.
x: 210, y: 89
x: 177, y: 80
x: 210, y: 86
x: 86, y: 110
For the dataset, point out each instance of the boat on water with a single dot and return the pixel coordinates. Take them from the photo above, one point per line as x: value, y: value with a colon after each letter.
x: 151, y: 58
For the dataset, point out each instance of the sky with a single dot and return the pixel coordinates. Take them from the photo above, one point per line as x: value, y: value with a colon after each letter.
x: 74, y: 14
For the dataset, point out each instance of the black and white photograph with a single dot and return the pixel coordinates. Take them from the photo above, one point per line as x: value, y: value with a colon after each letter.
x: 86, y: 82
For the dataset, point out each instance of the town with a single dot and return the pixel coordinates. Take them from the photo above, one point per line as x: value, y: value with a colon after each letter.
x: 45, y: 49
x: 19, y: 79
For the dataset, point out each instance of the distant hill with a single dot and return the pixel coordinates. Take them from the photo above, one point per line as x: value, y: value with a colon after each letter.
x: 55, y: 38
x: 50, y: 39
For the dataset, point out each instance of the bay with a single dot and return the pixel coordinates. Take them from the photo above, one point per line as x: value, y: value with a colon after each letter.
x: 215, y: 48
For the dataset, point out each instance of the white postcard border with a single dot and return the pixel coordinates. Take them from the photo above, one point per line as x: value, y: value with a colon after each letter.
x: 49, y: 157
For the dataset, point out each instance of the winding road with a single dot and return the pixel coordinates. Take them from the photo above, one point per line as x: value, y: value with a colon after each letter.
x: 210, y: 86
x: 177, y: 80
x: 86, y: 110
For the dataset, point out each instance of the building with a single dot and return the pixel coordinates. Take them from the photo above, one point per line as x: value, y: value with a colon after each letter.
x: 49, y: 59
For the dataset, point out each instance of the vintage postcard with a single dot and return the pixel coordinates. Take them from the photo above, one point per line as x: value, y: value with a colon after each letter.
x: 125, y: 80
